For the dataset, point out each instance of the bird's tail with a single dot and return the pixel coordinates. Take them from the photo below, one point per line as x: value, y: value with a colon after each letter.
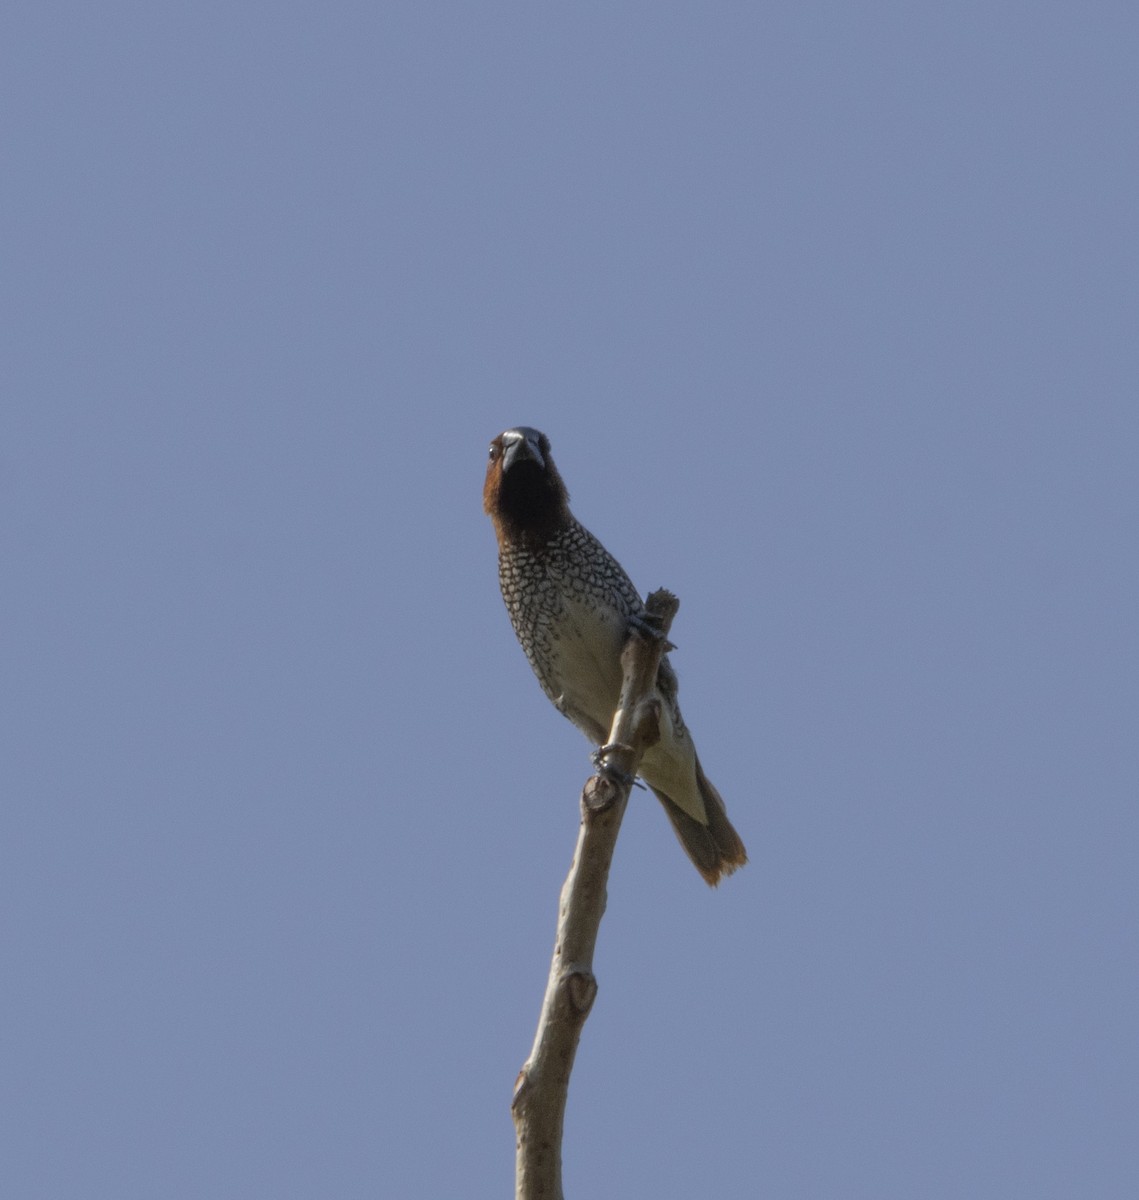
x: 715, y: 848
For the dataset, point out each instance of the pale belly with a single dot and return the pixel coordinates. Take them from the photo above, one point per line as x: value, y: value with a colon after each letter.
x: 587, y: 670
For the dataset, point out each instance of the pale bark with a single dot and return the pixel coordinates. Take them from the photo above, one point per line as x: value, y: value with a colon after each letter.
x: 543, y: 1083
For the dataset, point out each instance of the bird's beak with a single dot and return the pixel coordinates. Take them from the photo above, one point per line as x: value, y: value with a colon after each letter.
x: 520, y: 448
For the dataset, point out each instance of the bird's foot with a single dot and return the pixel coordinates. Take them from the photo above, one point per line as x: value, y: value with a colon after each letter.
x: 608, y: 770
x: 648, y: 629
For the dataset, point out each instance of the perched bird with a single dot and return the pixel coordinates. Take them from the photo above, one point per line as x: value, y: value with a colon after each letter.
x: 571, y: 605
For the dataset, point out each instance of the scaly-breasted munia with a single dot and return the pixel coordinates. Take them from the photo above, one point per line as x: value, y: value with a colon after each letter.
x: 571, y: 605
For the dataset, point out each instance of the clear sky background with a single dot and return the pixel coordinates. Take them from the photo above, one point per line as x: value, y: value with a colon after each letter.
x: 831, y: 312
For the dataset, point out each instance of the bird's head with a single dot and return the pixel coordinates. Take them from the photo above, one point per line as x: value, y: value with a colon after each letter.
x: 524, y: 495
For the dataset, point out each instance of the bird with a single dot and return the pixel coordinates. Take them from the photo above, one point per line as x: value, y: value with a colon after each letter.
x: 572, y: 606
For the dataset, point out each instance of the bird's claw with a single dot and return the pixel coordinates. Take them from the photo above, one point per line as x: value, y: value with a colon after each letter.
x: 648, y: 629
x: 608, y: 769
x: 608, y: 748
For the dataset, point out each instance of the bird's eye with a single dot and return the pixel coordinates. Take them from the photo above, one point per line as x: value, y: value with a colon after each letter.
x: 492, y: 454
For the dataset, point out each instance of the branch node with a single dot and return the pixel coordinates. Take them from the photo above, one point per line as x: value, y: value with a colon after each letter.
x: 599, y: 794
x: 521, y: 1085
x: 582, y: 988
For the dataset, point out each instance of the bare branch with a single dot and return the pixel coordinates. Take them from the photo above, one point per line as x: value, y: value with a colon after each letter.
x: 540, y: 1092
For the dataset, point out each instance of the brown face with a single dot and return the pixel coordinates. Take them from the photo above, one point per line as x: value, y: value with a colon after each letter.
x: 523, y: 494
x: 493, y: 477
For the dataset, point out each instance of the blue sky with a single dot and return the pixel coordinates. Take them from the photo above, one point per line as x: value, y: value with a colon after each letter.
x: 830, y: 313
